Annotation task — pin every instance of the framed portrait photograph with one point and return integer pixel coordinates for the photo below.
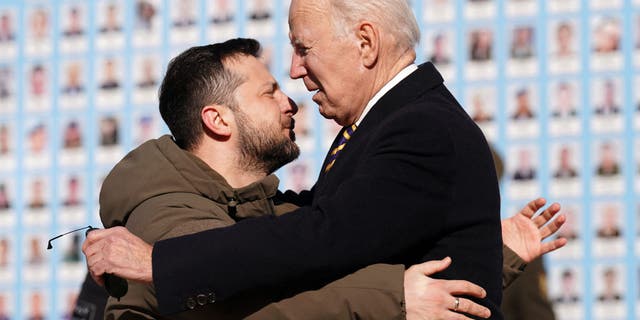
(74, 30)
(110, 24)
(480, 54)
(39, 26)
(438, 11)
(609, 287)
(184, 21)
(8, 33)
(565, 168)
(607, 157)
(563, 42)
(606, 42)
(606, 100)
(523, 111)
(147, 23)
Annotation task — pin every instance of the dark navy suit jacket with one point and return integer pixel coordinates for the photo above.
(415, 182)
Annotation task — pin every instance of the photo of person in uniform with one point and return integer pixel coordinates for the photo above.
(523, 109)
(223, 12)
(566, 168)
(73, 83)
(146, 128)
(38, 81)
(522, 44)
(481, 45)
(479, 112)
(610, 291)
(36, 306)
(5, 140)
(186, 14)
(439, 52)
(607, 35)
(112, 19)
(5, 201)
(5, 78)
(564, 39)
(73, 193)
(145, 12)
(568, 292)
(109, 131)
(36, 251)
(37, 139)
(37, 194)
(298, 176)
(608, 105)
(608, 162)
(563, 103)
(4, 312)
(72, 136)
(7, 32)
(570, 229)
(75, 22)
(260, 10)
(39, 24)
(148, 75)
(609, 227)
(5, 250)
(524, 168)
(110, 79)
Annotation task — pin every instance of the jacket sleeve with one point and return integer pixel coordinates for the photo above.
(373, 215)
(527, 298)
(350, 297)
(512, 266)
(304, 198)
(160, 218)
(374, 292)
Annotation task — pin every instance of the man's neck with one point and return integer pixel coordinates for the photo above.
(384, 74)
(225, 163)
(390, 69)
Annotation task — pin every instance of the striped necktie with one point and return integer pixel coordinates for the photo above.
(346, 135)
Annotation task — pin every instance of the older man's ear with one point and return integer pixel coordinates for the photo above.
(369, 43)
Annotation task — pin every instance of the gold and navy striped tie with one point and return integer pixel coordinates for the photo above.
(346, 135)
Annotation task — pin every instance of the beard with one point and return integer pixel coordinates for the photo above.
(264, 149)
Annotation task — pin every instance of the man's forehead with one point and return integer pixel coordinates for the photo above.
(251, 68)
(304, 10)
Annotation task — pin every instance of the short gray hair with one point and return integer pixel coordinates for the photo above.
(393, 16)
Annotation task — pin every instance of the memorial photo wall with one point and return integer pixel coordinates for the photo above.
(554, 85)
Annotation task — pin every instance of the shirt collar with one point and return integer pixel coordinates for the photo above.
(392, 83)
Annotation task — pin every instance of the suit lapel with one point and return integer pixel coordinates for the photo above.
(410, 88)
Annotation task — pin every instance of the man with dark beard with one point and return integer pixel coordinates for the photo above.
(231, 129)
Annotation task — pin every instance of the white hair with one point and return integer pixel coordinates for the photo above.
(395, 17)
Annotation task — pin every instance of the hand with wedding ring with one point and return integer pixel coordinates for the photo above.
(428, 298)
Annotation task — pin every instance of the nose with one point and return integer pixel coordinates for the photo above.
(297, 69)
(287, 105)
(293, 106)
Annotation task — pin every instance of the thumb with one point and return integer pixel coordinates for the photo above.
(434, 266)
